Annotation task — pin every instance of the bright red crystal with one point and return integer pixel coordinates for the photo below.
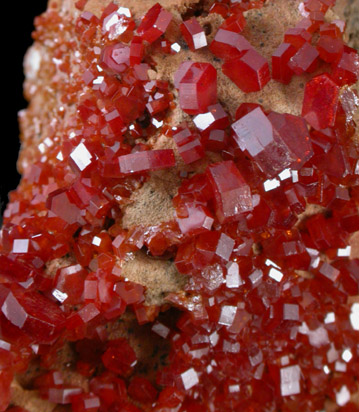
(194, 34)
(189, 145)
(235, 23)
(249, 72)
(330, 49)
(85, 403)
(31, 312)
(231, 193)
(305, 60)
(140, 162)
(297, 37)
(280, 59)
(320, 102)
(154, 23)
(116, 57)
(215, 118)
(197, 88)
(229, 44)
(275, 142)
(346, 70)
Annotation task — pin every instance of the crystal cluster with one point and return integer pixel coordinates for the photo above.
(269, 316)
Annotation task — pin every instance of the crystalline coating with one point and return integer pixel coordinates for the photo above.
(154, 23)
(231, 192)
(198, 88)
(320, 102)
(193, 33)
(249, 72)
(266, 283)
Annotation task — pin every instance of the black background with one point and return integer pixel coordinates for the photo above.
(17, 26)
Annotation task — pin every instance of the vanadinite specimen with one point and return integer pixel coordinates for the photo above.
(184, 237)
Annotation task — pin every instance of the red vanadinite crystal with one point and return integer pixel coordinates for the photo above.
(320, 104)
(280, 59)
(305, 60)
(119, 358)
(255, 207)
(197, 88)
(275, 142)
(194, 34)
(330, 49)
(297, 37)
(231, 192)
(154, 23)
(249, 72)
(229, 44)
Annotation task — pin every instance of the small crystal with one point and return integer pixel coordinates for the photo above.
(20, 246)
(290, 380)
(233, 279)
(161, 330)
(347, 355)
(320, 103)
(231, 192)
(227, 316)
(189, 378)
(249, 72)
(275, 274)
(290, 311)
(342, 397)
(194, 34)
(329, 318)
(354, 316)
(154, 23)
(197, 87)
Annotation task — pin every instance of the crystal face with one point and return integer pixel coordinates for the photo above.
(171, 247)
(193, 34)
(198, 88)
(320, 104)
(154, 23)
(231, 192)
(250, 72)
(275, 142)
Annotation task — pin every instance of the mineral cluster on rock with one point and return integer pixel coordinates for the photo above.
(259, 228)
